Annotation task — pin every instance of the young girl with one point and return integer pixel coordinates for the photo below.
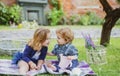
(35, 51)
(64, 47)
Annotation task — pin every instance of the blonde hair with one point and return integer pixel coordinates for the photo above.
(40, 35)
(66, 34)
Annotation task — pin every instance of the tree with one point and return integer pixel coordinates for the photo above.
(112, 15)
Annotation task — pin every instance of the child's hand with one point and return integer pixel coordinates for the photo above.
(39, 67)
(39, 64)
(47, 63)
(71, 57)
(32, 65)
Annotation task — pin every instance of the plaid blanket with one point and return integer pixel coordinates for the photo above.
(11, 69)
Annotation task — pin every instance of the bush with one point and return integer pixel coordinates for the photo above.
(9, 14)
(55, 16)
(84, 19)
(3, 14)
(54, 3)
(89, 18)
(14, 12)
(74, 19)
(94, 19)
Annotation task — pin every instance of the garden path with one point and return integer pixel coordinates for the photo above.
(28, 33)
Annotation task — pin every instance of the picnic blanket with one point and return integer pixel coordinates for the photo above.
(11, 69)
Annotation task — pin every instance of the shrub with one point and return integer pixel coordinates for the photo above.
(94, 19)
(9, 14)
(90, 18)
(84, 19)
(3, 14)
(55, 16)
(74, 19)
(14, 12)
(54, 3)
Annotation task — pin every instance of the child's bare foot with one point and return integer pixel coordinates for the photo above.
(49, 65)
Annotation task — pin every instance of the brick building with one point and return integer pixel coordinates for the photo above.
(9, 2)
(82, 6)
(71, 7)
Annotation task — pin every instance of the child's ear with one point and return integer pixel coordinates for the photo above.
(66, 40)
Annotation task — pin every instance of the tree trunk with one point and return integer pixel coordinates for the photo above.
(112, 15)
(105, 35)
(110, 21)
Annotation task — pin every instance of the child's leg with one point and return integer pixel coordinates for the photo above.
(54, 67)
(74, 64)
(23, 67)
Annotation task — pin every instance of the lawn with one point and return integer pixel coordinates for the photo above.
(2, 27)
(111, 68)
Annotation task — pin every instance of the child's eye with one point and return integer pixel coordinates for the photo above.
(58, 37)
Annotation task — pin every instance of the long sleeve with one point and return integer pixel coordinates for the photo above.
(27, 54)
(43, 53)
(71, 51)
(54, 50)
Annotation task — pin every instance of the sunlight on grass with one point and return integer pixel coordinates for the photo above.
(112, 68)
(3, 27)
(7, 28)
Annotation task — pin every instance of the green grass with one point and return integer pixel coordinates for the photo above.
(112, 68)
(3, 27)
(6, 27)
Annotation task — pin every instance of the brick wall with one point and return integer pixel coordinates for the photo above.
(8, 2)
(82, 6)
(71, 7)
(68, 7)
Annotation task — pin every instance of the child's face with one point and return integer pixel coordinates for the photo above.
(60, 40)
(47, 41)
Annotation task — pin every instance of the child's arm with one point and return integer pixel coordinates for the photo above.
(39, 65)
(72, 57)
(32, 65)
(50, 54)
(53, 52)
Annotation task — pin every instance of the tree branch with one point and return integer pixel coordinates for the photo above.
(106, 6)
(117, 12)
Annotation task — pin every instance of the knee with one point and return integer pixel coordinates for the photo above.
(23, 65)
